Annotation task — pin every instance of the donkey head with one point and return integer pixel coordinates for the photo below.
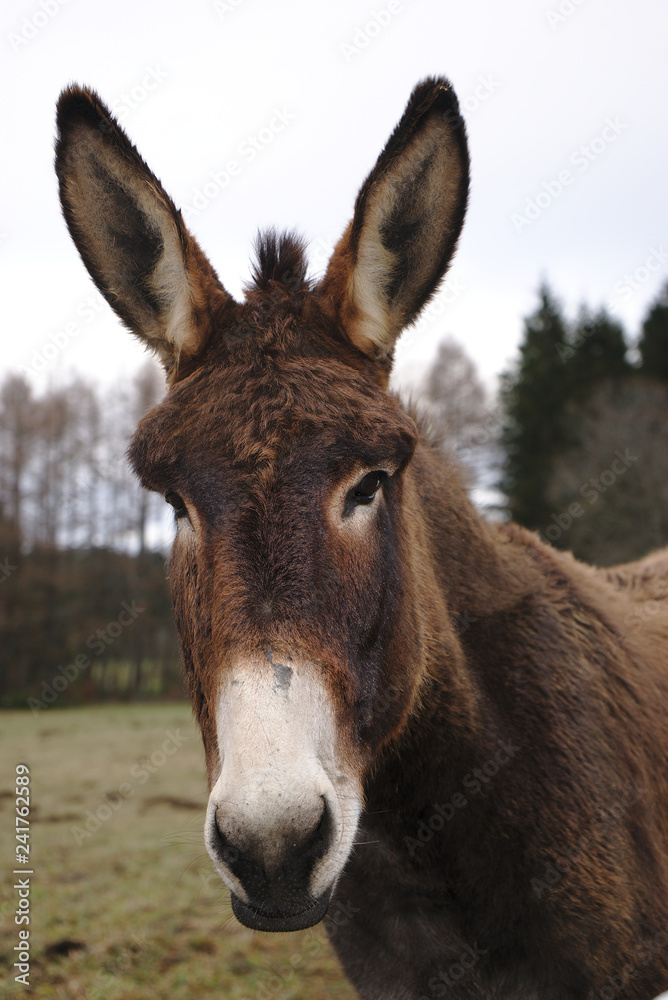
(297, 574)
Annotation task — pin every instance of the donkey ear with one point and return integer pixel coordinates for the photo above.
(130, 235)
(408, 217)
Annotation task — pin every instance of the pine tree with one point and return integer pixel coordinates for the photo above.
(598, 353)
(533, 400)
(653, 345)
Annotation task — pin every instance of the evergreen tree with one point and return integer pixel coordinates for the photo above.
(533, 399)
(609, 493)
(598, 353)
(653, 345)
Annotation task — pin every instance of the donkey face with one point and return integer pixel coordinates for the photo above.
(296, 566)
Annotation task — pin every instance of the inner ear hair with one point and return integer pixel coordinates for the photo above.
(129, 233)
(407, 219)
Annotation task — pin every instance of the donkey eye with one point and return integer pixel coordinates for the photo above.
(177, 503)
(366, 490)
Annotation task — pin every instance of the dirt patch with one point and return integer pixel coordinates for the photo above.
(169, 800)
(64, 947)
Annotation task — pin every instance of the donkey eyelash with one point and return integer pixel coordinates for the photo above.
(365, 491)
(177, 502)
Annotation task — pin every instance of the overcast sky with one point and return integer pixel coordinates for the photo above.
(565, 102)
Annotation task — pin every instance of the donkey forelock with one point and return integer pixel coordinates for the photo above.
(280, 259)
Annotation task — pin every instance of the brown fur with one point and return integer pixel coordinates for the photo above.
(455, 652)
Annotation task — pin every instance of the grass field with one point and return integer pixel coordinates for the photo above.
(124, 902)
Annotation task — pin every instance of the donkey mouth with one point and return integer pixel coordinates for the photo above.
(272, 918)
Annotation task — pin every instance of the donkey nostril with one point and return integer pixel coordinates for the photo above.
(225, 850)
(274, 864)
(317, 844)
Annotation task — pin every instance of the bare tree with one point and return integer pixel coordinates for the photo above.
(463, 420)
(17, 432)
(455, 397)
(64, 476)
(148, 388)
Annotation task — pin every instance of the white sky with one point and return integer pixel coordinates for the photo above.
(534, 93)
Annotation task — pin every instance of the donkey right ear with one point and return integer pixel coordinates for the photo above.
(407, 220)
(130, 235)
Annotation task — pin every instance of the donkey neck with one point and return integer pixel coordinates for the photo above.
(477, 569)
(468, 573)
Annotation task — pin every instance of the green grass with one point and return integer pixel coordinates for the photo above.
(136, 897)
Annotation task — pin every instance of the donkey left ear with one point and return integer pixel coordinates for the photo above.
(407, 220)
(131, 236)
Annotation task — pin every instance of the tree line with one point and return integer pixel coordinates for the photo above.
(85, 611)
(585, 432)
(64, 479)
(575, 447)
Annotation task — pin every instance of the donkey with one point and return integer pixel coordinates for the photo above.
(442, 731)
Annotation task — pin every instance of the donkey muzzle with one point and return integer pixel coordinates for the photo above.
(265, 919)
(275, 869)
(283, 811)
